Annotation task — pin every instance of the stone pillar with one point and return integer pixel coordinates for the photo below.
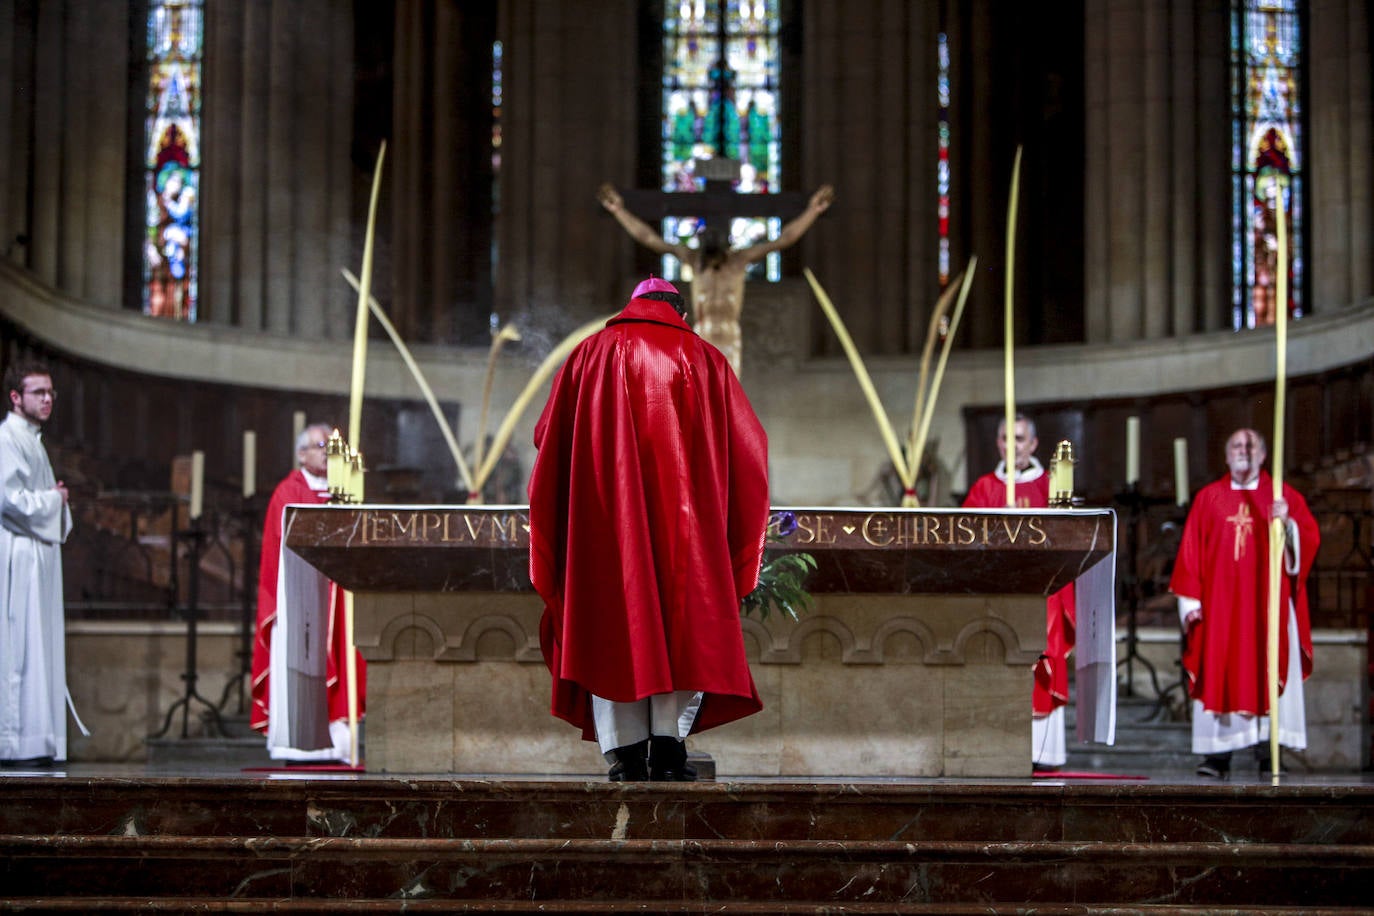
(869, 110)
(1156, 256)
(275, 192)
(440, 164)
(62, 155)
(570, 123)
(1209, 170)
(1339, 155)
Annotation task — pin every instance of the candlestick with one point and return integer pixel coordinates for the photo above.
(197, 483)
(250, 463)
(1061, 476)
(335, 471)
(1132, 451)
(1181, 471)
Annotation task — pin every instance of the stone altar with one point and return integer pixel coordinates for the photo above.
(914, 661)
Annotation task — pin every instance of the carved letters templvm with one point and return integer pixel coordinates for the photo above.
(395, 526)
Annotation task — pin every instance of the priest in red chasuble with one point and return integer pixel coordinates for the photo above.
(648, 508)
(1221, 578)
(1050, 691)
(305, 485)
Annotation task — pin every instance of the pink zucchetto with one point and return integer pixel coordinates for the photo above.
(653, 285)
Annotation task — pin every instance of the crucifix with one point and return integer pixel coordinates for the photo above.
(717, 270)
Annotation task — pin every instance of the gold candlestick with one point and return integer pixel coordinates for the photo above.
(356, 472)
(1061, 476)
(336, 456)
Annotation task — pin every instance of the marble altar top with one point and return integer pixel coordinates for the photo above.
(378, 548)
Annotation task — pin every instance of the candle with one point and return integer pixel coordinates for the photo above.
(197, 482)
(1181, 471)
(1132, 451)
(297, 427)
(250, 463)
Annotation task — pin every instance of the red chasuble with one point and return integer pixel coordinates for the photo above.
(648, 508)
(295, 490)
(1223, 561)
(1051, 689)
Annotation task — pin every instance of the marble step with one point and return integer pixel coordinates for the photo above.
(327, 907)
(946, 871)
(202, 845)
(462, 809)
(1145, 743)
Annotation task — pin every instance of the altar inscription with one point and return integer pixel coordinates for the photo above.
(902, 551)
(389, 527)
(900, 530)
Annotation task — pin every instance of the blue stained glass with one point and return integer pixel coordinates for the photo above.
(1266, 157)
(172, 159)
(498, 53)
(720, 100)
(942, 173)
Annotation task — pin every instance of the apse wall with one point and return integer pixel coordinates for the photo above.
(824, 442)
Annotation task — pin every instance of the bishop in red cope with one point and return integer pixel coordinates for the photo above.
(648, 509)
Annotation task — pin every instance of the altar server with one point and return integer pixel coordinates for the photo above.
(1050, 691)
(35, 520)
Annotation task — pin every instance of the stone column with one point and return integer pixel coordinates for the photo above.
(570, 123)
(1156, 257)
(64, 160)
(1339, 156)
(440, 165)
(869, 112)
(277, 129)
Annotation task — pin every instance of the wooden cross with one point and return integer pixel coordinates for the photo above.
(715, 206)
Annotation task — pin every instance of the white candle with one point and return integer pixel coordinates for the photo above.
(1181, 471)
(250, 463)
(297, 427)
(197, 482)
(1132, 450)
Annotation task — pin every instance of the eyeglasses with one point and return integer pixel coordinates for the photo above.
(43, 393)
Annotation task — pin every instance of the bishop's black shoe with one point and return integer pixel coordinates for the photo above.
(668, 760)
(631, 763)
(1217, 766)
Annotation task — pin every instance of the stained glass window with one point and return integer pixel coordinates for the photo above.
(172, 159)
(720, 102)
(942, 171)
(497, 92)
(1266, 157)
